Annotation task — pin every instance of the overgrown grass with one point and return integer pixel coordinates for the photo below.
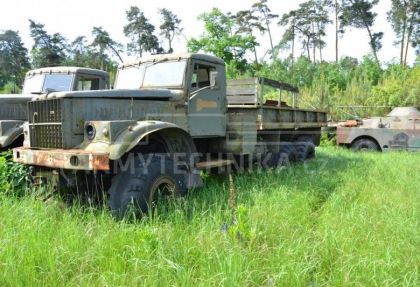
(342, 219)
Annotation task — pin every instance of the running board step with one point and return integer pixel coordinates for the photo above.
(213, 163)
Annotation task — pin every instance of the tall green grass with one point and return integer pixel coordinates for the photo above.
(342, 219)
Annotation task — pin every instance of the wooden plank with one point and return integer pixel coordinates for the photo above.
(241, 91)
(241, 99)
(240, 82)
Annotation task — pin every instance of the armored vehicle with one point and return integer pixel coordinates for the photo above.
(400, 130)
(169, 117)
(45, 80)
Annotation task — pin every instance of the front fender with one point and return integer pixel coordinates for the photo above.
(131, 136)
(10, 131)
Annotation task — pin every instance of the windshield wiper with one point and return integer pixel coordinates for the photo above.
(46, 91)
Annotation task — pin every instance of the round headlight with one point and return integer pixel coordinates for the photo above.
(90, 131)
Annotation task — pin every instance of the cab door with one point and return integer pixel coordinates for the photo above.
(206, 104)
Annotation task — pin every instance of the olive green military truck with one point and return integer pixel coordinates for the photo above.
(400, 130)
(169, 117)
(46, 80)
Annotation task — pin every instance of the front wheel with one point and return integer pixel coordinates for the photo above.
(140, 189)
(364, 145)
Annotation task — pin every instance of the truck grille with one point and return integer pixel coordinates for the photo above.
(45, 123)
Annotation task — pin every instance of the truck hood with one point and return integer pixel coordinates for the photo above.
(15, 98)
(147, 94)
(13, 107)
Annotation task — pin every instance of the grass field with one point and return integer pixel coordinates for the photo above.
(343, 219)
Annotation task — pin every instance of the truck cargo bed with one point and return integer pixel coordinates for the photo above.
(264, 100)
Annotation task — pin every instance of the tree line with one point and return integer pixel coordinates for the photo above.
(233, 37)
(102, 52)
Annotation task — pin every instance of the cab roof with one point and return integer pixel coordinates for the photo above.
(175, 56)
(67, 70)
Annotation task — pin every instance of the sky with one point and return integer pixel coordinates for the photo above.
(74, 18)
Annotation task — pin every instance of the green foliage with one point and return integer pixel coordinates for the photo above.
(400, 87)
(348, 83)
(140, 31)
(104, 44)
(14, 177)
(307, 24)
(404, 17)
(170, 26)
(359, 14)
(265, 16)
(14, 61)
(220, 40)
(342, 219)
(10, 88)
(48, 50)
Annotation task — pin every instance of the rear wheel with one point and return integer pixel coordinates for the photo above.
(305, 150)
(139, 190)
(286, 155)
(364, 145)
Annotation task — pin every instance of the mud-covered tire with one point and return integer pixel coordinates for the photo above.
(364, 145)
(135, 191)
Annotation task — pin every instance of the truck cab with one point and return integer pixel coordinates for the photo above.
(199, 81)
(13, 108)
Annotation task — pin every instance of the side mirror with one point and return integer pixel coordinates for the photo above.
(213, 79)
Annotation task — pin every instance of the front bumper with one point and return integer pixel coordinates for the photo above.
(62, 159)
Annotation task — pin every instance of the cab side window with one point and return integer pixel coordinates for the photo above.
(201, 76)
(86, 83)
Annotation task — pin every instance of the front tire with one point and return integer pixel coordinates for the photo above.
(137, 191)
(364, 145)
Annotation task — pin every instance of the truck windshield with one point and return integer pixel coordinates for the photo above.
(164, 74)
(50, 82)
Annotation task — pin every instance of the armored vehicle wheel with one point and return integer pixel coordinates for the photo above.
(364, 145)
(140, 189)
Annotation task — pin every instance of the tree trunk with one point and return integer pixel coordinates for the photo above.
(269, 35)
(255, 55)
(408, 39)
(336, 30)
(403, 43)
(293, 45)
(407, 44)
(116, 53)
(319, 43)
(307, 49)
(313, 42)
(372, 45)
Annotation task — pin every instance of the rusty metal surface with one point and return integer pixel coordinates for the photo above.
(62, 159)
